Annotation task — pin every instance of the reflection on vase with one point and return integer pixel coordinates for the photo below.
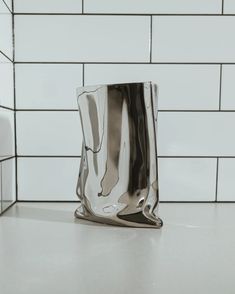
(118, 181)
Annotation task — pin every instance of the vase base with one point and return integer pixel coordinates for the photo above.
(137, 220)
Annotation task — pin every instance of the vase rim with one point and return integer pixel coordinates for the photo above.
(93, 88)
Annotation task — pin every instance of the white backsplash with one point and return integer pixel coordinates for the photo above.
(186, 46)
(7, 105)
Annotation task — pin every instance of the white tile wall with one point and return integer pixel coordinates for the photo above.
(229, 6)
(187, 179)
(190, 55)
(6, 78)
(82, 38)
(8, 183)
(47, 86)
(226, 188)
(193, 39)
(196, 134)
(153, 6)
(0, 188)
(7, 120)
(48, 178)
(7, 133)
(48, 6)
(5, 30)
(48, 133)
(191, 86)
(228, 89)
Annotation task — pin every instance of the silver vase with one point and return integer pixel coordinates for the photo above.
(118, 181)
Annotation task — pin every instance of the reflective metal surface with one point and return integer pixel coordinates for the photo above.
(118, 181)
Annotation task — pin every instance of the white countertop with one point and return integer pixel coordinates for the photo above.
(44, 250)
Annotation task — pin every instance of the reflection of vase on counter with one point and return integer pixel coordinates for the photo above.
(118, 173)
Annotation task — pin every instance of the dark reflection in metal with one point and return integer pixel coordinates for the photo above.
(118, 173)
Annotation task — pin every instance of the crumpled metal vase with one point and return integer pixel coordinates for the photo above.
(118, 181)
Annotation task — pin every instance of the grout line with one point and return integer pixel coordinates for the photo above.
(220, 86)
(165, 202)
(192, 156)
(124, 14)
(163, 110)
(160, 110)
(7, 158)
(216, 181)
(82, 6)
(224, 202)
(48, 201)
(123, 62)
(187, 202)
(151, 39)
(83, 74)
(159, 156)
(48, 156)
(199, 202)
(194, 110)
(12, 204)
(45, 110)
(78, 62)
(222, 7)
(6, 55)
(7, 6)
(7, 108)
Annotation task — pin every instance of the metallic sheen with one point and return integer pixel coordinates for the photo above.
(118, 182)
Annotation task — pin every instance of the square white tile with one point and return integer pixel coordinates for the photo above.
(8, 183)
(196, 134)
(193, 39)
(0, 187)
(6, 45)
(226, 187)
(153, 6)
(48, 6)
(179, 86)
(229, 6)
(6, 82)
(228, 90)
(82, 38)
(48, 133)
(187, 179)
(7, 132)
(47, 86)
(47, 179)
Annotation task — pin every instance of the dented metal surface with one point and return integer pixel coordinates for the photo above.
(118, 181)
